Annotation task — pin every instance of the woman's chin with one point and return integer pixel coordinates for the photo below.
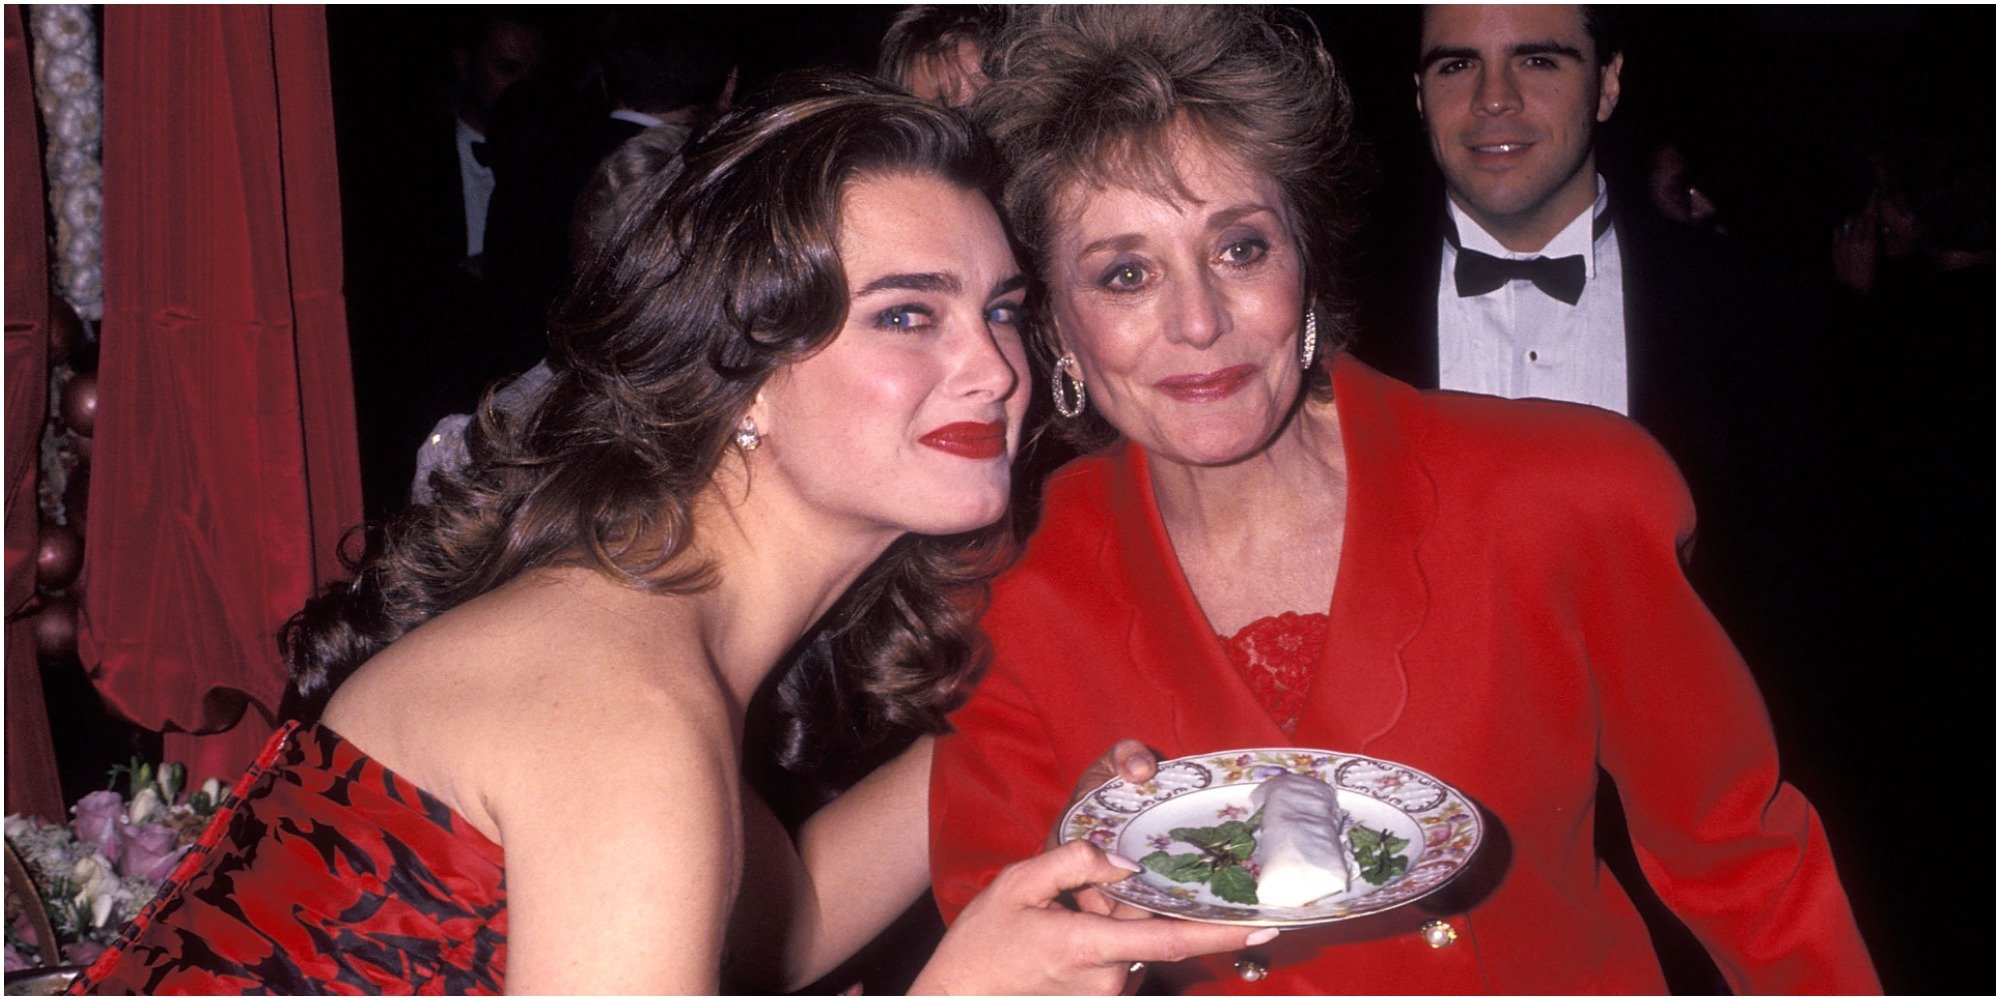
(1212, 446)
(961, 515)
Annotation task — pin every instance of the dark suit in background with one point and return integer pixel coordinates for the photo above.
(544, 150)
(420, 320)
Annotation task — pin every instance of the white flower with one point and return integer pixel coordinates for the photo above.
(91, 873)
(144, 806)
(102, 906)
(213, 789)
(98, 887)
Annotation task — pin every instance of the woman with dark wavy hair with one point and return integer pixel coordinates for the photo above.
(1272, 545)
(787, 394)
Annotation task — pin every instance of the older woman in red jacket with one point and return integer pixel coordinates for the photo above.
(1273, 545)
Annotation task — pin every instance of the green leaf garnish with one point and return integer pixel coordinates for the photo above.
(1235, 884)
(1180, 867)
(1379, 853)
(1222, 851)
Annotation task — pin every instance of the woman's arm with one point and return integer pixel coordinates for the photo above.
(1736, 851)
(865, 858)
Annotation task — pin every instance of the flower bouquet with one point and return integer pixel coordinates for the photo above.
(95, 873)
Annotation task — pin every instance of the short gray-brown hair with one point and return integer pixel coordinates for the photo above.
(1090, 95)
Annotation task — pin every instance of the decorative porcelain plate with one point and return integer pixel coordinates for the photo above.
(1439, 827)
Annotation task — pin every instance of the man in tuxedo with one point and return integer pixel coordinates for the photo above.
(1534, 279)
(415, 191)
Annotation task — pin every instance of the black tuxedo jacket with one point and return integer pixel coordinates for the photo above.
(544, 157)
(1708, 336)
(420, 321)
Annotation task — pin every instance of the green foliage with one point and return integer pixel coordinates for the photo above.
(1379, 853)
(1222, 852)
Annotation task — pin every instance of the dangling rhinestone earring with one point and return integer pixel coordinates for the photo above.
(747, 437)
(1066, 372)
(1311, 339)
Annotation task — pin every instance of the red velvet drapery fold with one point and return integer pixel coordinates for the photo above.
(31, 757)
(225, 467)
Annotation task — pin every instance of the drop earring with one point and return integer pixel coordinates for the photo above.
(1311, 339)
(747, 437)
(1065, 371)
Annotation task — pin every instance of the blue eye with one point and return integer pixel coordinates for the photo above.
(904, 317)
(1004, 314)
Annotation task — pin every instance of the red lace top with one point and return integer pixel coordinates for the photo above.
(1276, 655)
(323, 872)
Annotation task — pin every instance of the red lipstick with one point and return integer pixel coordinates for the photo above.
(967, 439)
(1206, 387)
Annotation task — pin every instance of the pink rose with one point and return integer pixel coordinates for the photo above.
(149, 852)
(15, 961)
(98, 817)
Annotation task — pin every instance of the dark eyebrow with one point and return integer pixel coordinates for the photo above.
(1437, 54)
(1548, 48)
(936, 282)
(1013, 284)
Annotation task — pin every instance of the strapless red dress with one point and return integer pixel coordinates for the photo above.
(323, 872)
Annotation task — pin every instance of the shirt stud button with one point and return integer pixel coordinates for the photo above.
(1251, 969)
(1439, 934)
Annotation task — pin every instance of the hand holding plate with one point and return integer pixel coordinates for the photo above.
(1012, 939)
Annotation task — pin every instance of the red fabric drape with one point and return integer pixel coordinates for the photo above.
(225, 467)
(31, 757)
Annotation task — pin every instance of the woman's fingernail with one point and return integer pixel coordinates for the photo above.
(1264, 936)
(1123, 862)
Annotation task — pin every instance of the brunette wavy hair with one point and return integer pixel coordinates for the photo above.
(719, 276)
(1088, 96)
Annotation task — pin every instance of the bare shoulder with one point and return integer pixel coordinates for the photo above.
(531, 690)
(581, 725)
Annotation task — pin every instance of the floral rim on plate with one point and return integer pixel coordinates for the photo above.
(1441, 825)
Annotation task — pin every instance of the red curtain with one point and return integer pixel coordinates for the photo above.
(31, 757)
(225, 468)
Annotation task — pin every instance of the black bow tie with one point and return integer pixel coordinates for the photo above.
(1561, 278)
(1558, 277)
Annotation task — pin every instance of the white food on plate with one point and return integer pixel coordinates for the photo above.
(1299, 854)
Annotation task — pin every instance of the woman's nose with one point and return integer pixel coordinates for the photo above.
(1200, 313)
(987, 368)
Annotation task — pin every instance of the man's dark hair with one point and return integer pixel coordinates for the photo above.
(1607, 30)
(656, 63)
(1605, 25)
(926, 32)
(468, 32)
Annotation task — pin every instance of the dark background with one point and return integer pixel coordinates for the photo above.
(1888, 724)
